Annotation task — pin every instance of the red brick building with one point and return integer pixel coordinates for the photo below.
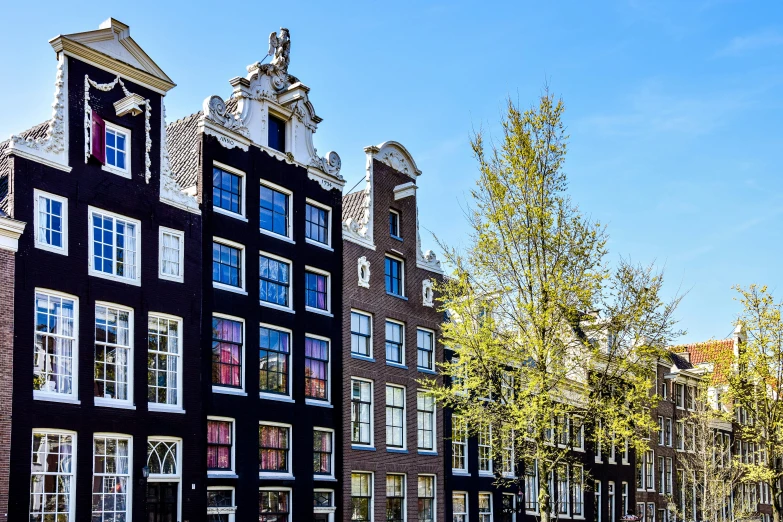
(393, 433)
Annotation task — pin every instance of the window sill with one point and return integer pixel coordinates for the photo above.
(362, 357)
(460, 473)
(428, 452)
(273, 397)
(324, 478)
(276, 236)
(318, 311)
(275, 476)
(229, 391)
(113, 403)
(112, 277)
(316, 402)
(396, 365)
(43, 396)
(396, 450)
(319, 245)
(579, 450)
(63, 251)
(397, 296)
(398, 238)
(221, 474)
(163, 408)
(599, 460)
(486, 474)
(274, 306)
(228, 213)
(119, 172)
(175, 279)
(228, 288)
(362, 448)
(427, 370)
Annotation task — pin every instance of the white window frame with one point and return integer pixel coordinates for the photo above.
(599, 457)
(491, 510)
(624, 496)
(491, 470)
(462, 442)
(179, 278)
(290, 498)
(372, 412)
(597, 507)
(328, 209)
(290, 307)
(331, 476)
(371, 351)
(289, 235)
(328, 276)
(73, 397)
(404, 492)
(399, 225)
(434, 449)
(160, 477)
(577, 470)
(129, 492)
(242, 289)
(329, 511)
(126, 172)
(466, 513)
(39, 243)
(432, 334)
(403, 348)
(371, 507)
(328, 401)
(288, 397)
(242, 215)
(558, 483)
(72, 495)
(216, 388)
(661, 432)
(230, 511)
(119, 403)
(404, 447)
(402, 275)
(156, 406)
(513, 505)
(532, 495)
(611, 498)
(289, 457)
(217, 473)
(434, 492)
(649, 470)
(90, 244)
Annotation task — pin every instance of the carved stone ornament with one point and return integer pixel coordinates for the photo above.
(427, 293)
(364, 272)
(170, 191)
(215, 109)
(397, 161)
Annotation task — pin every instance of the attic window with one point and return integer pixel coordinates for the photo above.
(110, 145)
(276, 133)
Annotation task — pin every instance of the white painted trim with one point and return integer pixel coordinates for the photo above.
(404, 344)
(318, 271)
(372, 329)
(371, 444)
(37, 195)
(13, 151)
(181, 235)
(290, 498)
(180, 365)
(331, 456)
(241, 389)
(289, 475)
(405, 190)
(289, 235)
(404, 389)
(230, 511)
(90, 258)
(435, 428)
(232, 470)
(279, 396)
(242, 214)
(290, 307)
(74, 463)
(243, 287)
(127, 172)
(120, 403)
(73, 397)
(402, 274)
(129, 493)
(328, 209)
(10, 231)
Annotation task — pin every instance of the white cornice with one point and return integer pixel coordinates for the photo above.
(39, 157)
(405, 190)
(10, 231)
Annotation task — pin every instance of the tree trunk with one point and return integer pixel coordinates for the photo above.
(544, 499)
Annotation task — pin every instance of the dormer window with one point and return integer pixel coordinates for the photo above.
(276, 133)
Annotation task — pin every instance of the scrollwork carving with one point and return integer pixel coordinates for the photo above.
(215, 109)
(427, 294)
(363, 268)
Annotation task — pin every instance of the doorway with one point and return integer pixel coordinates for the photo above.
(162, 501)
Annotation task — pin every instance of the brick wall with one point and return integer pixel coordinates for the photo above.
(7, 267)
(413, 314)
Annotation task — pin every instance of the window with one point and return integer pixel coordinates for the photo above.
(164, 361)
(395, 342)
(361, 496)
(220, 444)
(661, 476)
(395, 498)
(316, 290)
(56, 345)
(650, 512)
(51, 222)
(649, 475)
(640, 511)
(394, 224)
(276, 133)
(228, 260)
(597, 507)
(323, 505)
(624, 497)
(361, 412)
(679, 395)
(274, 365)
(274, 210)
(111, 478)
(220, 504)
(485, 450)
(322, 452)
(690, 395)
(113, 354)
(459, 502)
(508, 508)
(577, 491)
(668, 432)
(531, 487)
(317, 223)
(53, 476)
(577, 427)
(361, 334)
(426, 349)
(163, 458)
(610, 494)
(274, 281)
(228, 190)
(669, 471)
(316, 368)
(394, 276)
(425, 413)
(426, 496)
(679, 436)
(485, 507)
(459, 444)
(660, 431)
(117, 149)
(274, 453)
(563, 493)
(395, 416)
(274, 505)
(172, 255)
(115, 246)
(227, 353)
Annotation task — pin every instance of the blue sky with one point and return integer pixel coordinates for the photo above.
(674, 108)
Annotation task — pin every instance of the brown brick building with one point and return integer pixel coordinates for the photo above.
(393, 433)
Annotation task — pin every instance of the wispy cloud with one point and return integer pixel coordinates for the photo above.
(753, 42)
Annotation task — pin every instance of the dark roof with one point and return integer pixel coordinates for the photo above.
(680, 362)
(36, 132)
(353, 205)
(182, 139)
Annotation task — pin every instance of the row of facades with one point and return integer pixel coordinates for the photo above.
(216, 333)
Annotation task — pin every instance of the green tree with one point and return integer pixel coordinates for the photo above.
(563, 345)
(757, 384)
